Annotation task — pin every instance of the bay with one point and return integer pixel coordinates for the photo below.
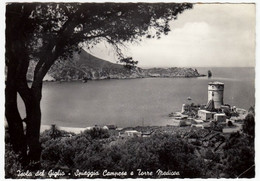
(136, 102)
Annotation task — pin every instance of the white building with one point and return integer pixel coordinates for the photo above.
(205, 115)
(130, 133)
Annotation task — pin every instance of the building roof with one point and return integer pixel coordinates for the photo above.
(216, 83)
(131, 131)
(220, 114)
(205, 111)
(198, 121)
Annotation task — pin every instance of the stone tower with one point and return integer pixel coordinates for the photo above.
(215, 93)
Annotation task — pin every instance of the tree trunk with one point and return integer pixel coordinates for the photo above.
(33, 125)
(24, 141)
(32, 97)
(17, 83)
(17, 62)
(15, 123)
(14, 120)
(33, 130)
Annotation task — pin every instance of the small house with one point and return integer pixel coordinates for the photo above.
(205, 115)
(220, 117)
(197, 126)
(130, 133)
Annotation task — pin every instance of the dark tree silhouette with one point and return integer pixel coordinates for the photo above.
(249, 125)
(46, 32)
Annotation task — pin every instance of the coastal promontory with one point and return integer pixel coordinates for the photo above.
(84, 66)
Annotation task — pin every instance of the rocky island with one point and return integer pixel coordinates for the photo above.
(84, 66)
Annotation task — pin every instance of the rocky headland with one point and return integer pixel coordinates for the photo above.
(84, 66)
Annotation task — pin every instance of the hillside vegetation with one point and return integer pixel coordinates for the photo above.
(196, 153)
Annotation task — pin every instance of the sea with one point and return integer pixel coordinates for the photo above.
(138, 102)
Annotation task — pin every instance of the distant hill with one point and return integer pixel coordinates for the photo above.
(84, 66)
(94, 62)
(171, 72)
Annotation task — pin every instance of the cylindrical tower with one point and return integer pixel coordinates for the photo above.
(215, 93)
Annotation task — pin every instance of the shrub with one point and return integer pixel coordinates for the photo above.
(12, 162)
(61, 152)
(239, 155)
(92, 151)
(97, 133)
(54, 133)
(249, 125)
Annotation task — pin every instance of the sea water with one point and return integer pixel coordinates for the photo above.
(137, 102)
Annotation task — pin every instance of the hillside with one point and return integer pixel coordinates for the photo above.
(84, 66)
(94, 62)
(87, 66)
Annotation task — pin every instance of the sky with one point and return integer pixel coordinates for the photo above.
(209, 35)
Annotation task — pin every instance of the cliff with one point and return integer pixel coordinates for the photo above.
(85, 66)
